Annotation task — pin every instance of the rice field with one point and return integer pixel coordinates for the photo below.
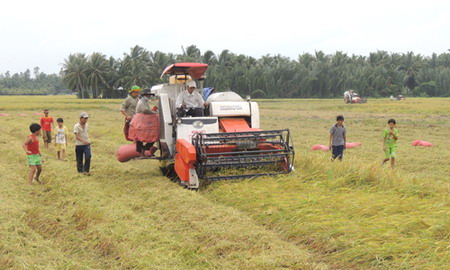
(353, 214)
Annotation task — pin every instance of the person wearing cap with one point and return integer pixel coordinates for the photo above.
(145, 108)
(82, 144)
(128, 109)
(190, 102)
(143, 105)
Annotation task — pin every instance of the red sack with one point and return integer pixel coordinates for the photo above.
(144, 128)
(421, 143)
(352, 145)
(126, 152)
(320, 147)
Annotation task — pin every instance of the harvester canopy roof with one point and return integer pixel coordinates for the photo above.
(196, 70)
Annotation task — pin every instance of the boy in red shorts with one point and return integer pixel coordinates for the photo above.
(47, 126)
(31, 147)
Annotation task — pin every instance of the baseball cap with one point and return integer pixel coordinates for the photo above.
(84, 115)
(192, 84)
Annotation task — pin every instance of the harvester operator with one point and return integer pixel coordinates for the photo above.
(190, 102)
(128, 109)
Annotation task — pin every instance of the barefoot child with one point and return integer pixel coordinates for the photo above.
(338, 138)
(31, 147)
(47, 125)
(61, 132)
(390, 137)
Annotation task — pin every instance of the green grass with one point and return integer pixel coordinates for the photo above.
(349, 215)
(357, 213)
(124, 216)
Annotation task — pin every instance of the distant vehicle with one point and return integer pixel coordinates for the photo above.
(351, 96)
(398, 98)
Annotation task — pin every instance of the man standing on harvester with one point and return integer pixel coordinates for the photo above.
(145, 125)
(128, 109)
(190, 102)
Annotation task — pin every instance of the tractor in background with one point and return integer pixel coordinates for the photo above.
(351, 97)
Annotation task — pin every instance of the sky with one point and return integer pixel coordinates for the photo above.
(43, 33)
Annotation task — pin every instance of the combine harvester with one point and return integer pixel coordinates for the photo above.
(351, 97)
(226, 143)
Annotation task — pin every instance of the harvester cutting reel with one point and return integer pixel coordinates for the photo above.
(238, 155)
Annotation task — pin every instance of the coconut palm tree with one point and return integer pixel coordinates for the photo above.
(190, 54)
(410, 66)
(75, 73)
(209, 58)
(98, 68)
(136, 68)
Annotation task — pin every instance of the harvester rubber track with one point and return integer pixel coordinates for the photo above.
(269, 151)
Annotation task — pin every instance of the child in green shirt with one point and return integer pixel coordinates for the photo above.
(390, 137)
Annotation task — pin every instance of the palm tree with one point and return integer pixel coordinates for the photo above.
(112, 79)
(98, 68)
(136, 68)
(410, 66)
(75, 73)
(190, 54)
(209, 58)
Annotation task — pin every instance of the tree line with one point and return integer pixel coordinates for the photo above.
(27, 83)
(318, 75)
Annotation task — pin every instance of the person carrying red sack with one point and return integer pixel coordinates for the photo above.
(145, 125)
(128, 109)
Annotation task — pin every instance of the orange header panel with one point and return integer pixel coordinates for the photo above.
(235, 125)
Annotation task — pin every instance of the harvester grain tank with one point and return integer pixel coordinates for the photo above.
(225, 143)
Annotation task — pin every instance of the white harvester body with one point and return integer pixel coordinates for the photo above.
(227, 137)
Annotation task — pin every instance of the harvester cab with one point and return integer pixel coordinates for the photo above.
(225, 143)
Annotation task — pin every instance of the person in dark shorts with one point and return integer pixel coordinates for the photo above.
(47, 125)
(338, 138)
